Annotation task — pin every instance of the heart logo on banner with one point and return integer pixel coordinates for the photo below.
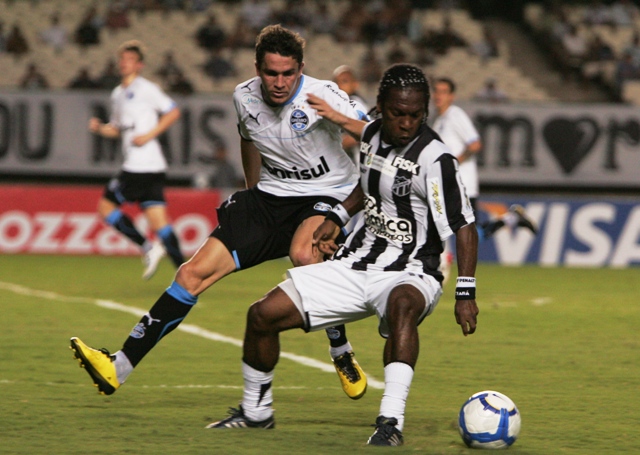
(570, 141)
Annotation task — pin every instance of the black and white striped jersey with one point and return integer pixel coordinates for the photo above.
(415, 199)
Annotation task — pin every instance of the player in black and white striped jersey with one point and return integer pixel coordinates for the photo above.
(413, 199)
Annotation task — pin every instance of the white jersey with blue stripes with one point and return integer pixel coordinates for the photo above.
(135, 110)
(301, 152)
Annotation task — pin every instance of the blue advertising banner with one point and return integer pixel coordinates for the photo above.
(575, 232)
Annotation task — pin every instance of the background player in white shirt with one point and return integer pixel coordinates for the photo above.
(140, 112)
(458, 132)
(388, 266)
(345, 77)
(295, 170)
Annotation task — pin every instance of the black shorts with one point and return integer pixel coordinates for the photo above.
(256, 226)
(146, 189)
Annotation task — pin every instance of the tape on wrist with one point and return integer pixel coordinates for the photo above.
(465, 288)
(338, 215)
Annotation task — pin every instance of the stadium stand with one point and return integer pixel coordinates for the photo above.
(175, 31)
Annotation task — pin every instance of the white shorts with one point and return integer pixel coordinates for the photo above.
(331, 293)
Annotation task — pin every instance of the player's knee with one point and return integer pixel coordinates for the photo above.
(189, 276)
(405, 305)
(258, 318)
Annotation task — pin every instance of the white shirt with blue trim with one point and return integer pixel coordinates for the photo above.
(135, 110)
(301, 152)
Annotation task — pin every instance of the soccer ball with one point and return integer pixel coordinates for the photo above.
(489, 420)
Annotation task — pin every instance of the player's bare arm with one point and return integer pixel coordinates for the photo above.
(324, 237)
(96, 126)
(352, 126)
(471, 150)
(164, 122)
(466, 311)
(251, 162)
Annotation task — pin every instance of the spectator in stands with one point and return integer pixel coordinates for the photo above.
(396, 54)
(33, 79)
(624, 13)
(56, 35)
(626, 69)
(218, 66)
(222, 173)
(444, 39)
(110, 77)
(3, 38)
(179, 84)
(374, 29)
(83, 80)
(256, 13)
(491, 93)
(345, 77)
(16, 42)
(633, 49)
(351, 22)
(168, 68)
(117, 16)
(323, 21)
(575, 50)
(487, 47)
(210, 35)
(295, 15)
(88, 31)
(242, 36)
(370, 67)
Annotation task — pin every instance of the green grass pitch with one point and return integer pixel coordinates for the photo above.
(562, 343)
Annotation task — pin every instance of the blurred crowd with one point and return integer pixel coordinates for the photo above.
(370, 22)
(593, 42)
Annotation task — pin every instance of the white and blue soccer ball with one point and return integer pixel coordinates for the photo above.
(489, 420)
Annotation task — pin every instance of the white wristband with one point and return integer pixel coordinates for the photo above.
(342, 213)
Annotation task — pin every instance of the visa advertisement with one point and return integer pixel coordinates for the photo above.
(572, 231)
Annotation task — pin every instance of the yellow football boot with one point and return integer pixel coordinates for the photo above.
(352, 378)
(99, 364)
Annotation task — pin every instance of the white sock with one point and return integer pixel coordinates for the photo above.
(337, 352)
(123, 366)
(257, 399)
(397, 381)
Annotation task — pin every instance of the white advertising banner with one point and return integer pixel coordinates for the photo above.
(45, 133)
(572, 146)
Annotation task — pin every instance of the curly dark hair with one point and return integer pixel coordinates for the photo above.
(276, 39)
(403, 76)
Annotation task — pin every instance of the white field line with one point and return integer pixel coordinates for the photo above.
(188, 328)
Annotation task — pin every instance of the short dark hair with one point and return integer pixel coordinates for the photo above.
(276, 39)
(133, 46)
(403, 76)
(449, 82)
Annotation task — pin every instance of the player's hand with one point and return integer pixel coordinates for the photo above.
(466, 312)
(139, 141)
(324, 237)
(323, 109)
(95, 124)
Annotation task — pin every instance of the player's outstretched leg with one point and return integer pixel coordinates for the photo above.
(352, 378)
(151, 259)
(523, 220)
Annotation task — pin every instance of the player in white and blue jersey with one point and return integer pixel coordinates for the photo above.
(140, 112)
(295, 171)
